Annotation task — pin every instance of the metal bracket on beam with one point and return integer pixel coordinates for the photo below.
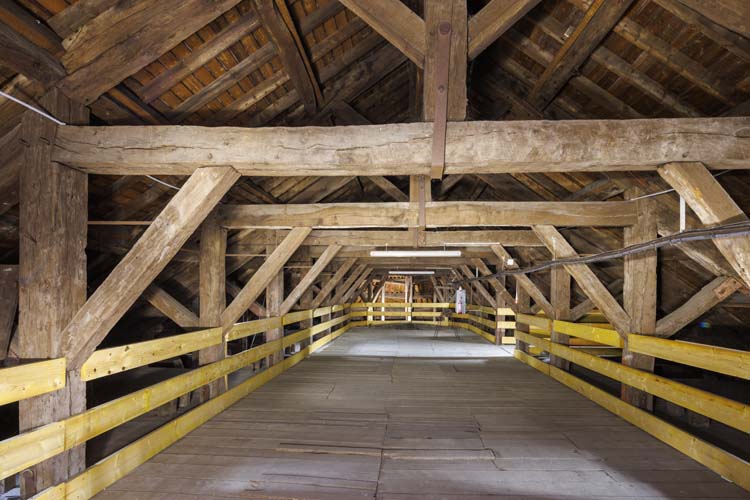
(442, 72)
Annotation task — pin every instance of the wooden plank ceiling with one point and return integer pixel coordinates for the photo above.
(314, 62)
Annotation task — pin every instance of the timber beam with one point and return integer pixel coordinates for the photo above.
(586, 279)
(406, 149)
(148, 257)
(713, 206)
(437, 214)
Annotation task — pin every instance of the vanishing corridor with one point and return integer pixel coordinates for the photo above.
(397, 414)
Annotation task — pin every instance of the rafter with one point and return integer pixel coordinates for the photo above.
(199, 57)
(23, 56)
(274, 14)
(104, 52)
(396, 23)
(493, 21)
(598, 21)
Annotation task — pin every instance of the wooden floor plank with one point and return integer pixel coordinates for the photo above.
(396, 414)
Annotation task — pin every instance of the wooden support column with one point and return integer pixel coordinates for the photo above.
(8, 306)
(213, 295)
(560, 299)
(639, 294)
(445, 67)
(523, 306)
(52, 275)
(454, 12)
(500, 302)
(274, 298)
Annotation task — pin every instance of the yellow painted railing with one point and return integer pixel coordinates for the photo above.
(727, 411)
(32, 379)
(404, 312)
(27, 449)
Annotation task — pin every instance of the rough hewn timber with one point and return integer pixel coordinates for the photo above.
(405, 149)
(438, 214)
(148, 257)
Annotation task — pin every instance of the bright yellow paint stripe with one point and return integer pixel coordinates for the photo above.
(544, 324)
(106, 362)
(32, 379)
(724, 410)
(716, 359)
(589, 332)
(124, 461)
(713, 457)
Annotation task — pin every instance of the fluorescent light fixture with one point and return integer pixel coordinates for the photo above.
(412, 273)
(471, 244)
(415, 253)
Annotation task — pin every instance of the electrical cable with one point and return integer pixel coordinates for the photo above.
(32, 108)
(732, 230)
(671, 190)
(60, 122)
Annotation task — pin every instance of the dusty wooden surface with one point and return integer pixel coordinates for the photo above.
(396, 414)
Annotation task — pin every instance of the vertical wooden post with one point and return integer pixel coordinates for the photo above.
(523, 306)
(8, 306)
(499, 303)
(274, 299)
(408, 291)
(639, 293)
(560, 298)
(455, 12)
(213, 297)
(306, 300)
(52, 274)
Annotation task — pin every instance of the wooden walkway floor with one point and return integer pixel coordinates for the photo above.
(394, 414)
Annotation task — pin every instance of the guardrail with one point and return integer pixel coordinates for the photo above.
(480, 320)
(32, 379)
(728, 361)
(30, 448)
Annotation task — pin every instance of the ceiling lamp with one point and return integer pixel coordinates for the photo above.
(412, 273)
(415, 253)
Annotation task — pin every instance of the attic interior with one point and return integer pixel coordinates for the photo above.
(390, 249)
